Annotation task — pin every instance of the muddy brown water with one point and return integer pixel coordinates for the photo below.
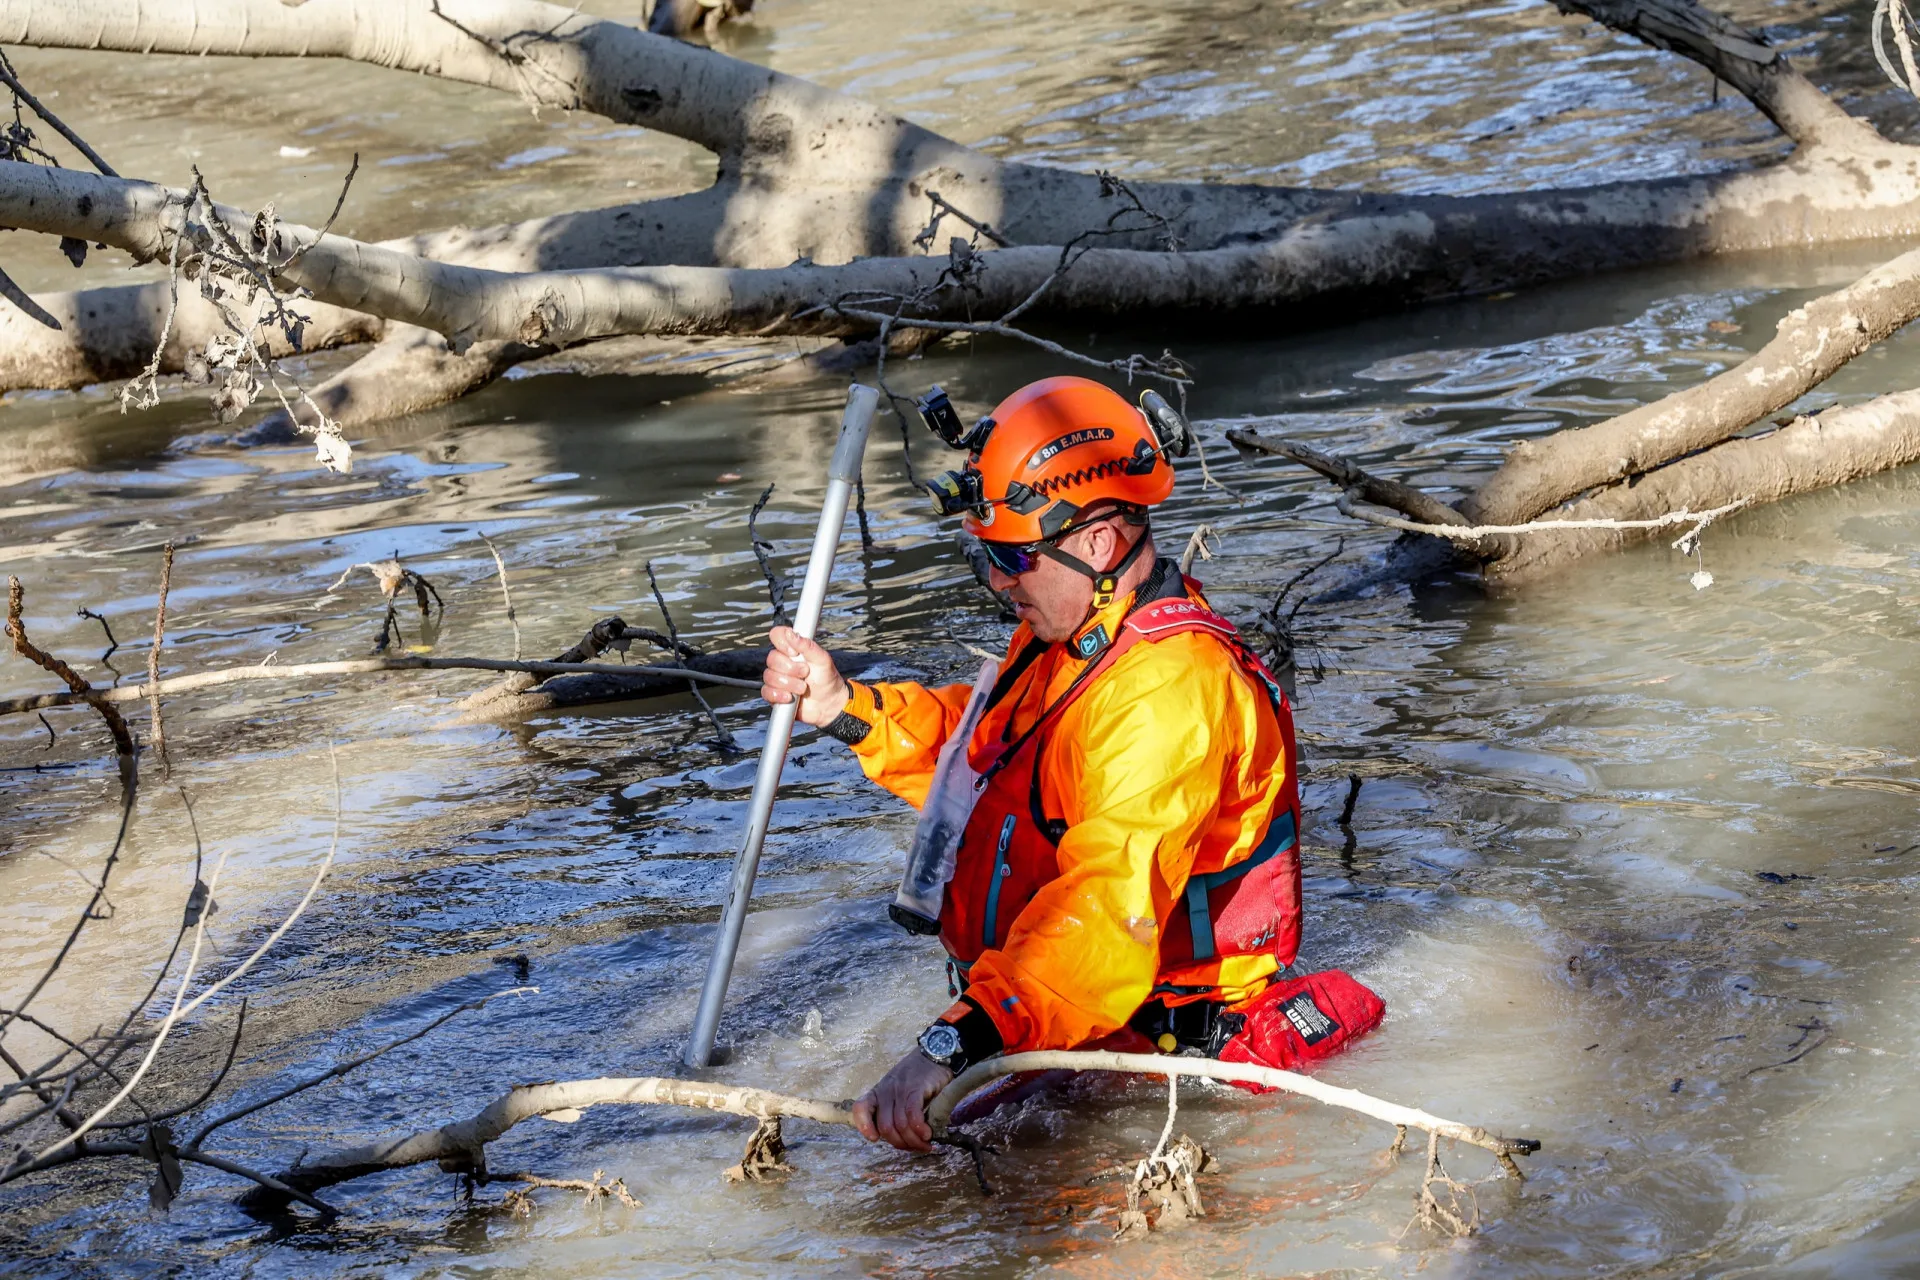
(1633, 864)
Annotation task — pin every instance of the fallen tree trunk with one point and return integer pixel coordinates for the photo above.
(1811, 453)
(1811, 344)
(1351, 262)
(867, 175)
(744, 665)
(871, 175)
(109, 334)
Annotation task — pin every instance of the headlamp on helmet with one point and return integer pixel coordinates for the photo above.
(954, 492)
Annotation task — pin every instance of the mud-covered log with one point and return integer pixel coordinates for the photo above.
(1811, 453)
(1812, 342)
(600, 687)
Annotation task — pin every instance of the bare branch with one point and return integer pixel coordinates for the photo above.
(11, 79)
(199, 1100)
(462, 1144)
(357, 666)
(722, 738)
(22, 299)
(512, 618)
(153, 659)
(981, 1073)
(776, 589)
(1349, 476)
(87, 913)
(82, 691)
(181, 1010)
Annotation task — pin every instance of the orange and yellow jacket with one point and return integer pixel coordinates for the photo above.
(1170, 773)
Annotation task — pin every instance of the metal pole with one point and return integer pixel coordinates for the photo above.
(841, 474)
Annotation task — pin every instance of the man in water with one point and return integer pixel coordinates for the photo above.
(1129, 875)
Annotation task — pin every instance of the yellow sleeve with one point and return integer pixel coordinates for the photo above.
(1140, 769)
(907, 725)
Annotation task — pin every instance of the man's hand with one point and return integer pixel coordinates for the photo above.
(797, 667)
(895, 1110)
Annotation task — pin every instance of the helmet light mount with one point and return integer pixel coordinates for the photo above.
(937, 411)
(953, 492)
(963, 491)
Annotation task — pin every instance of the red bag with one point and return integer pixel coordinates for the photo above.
(1301, 1021)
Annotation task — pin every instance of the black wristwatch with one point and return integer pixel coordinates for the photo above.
(940, 1045)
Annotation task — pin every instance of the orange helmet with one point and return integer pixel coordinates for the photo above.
(1050, 451)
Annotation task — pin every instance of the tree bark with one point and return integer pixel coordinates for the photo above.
(1370, 258)
(867, 174)
(1811, 453)
(107, 334)
(1812, 342)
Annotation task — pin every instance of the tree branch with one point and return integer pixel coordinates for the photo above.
(462, 1144)
(982, 1073)
(1348, 475)
(357, 666)
(1811, 453)
(1811, 343)
(1737, 55)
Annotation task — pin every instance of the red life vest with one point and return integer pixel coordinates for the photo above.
(1008, 852)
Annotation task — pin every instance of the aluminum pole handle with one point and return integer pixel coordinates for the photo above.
(842, 473)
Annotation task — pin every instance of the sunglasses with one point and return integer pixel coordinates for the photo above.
(1013, 558)
(1016, 558)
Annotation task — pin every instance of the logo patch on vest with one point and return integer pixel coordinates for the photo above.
(1086, 435)
(1093, 642)
(1313, 1025)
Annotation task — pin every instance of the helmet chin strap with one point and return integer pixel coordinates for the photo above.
(1106, 582)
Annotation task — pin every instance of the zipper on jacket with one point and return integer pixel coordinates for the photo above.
(1000, 872)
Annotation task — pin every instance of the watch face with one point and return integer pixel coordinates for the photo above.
(940, 1041)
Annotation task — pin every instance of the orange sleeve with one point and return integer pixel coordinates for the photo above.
(907, 725)
(1138, 772)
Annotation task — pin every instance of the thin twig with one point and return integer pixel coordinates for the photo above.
(233, 1048)
(82, 691)
(153, 660)
(776, 589)
(86, 913)
(1197, 546)
(181, 1010)
(505, 594)
(12, 80)
(338, 204)
(101, 618)
(724, 739)
(359, 666)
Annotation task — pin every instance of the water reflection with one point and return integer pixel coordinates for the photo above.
(1575, 865)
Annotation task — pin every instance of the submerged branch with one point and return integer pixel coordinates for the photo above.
(461, 1145)
(355, 666)
(1393, 1113)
